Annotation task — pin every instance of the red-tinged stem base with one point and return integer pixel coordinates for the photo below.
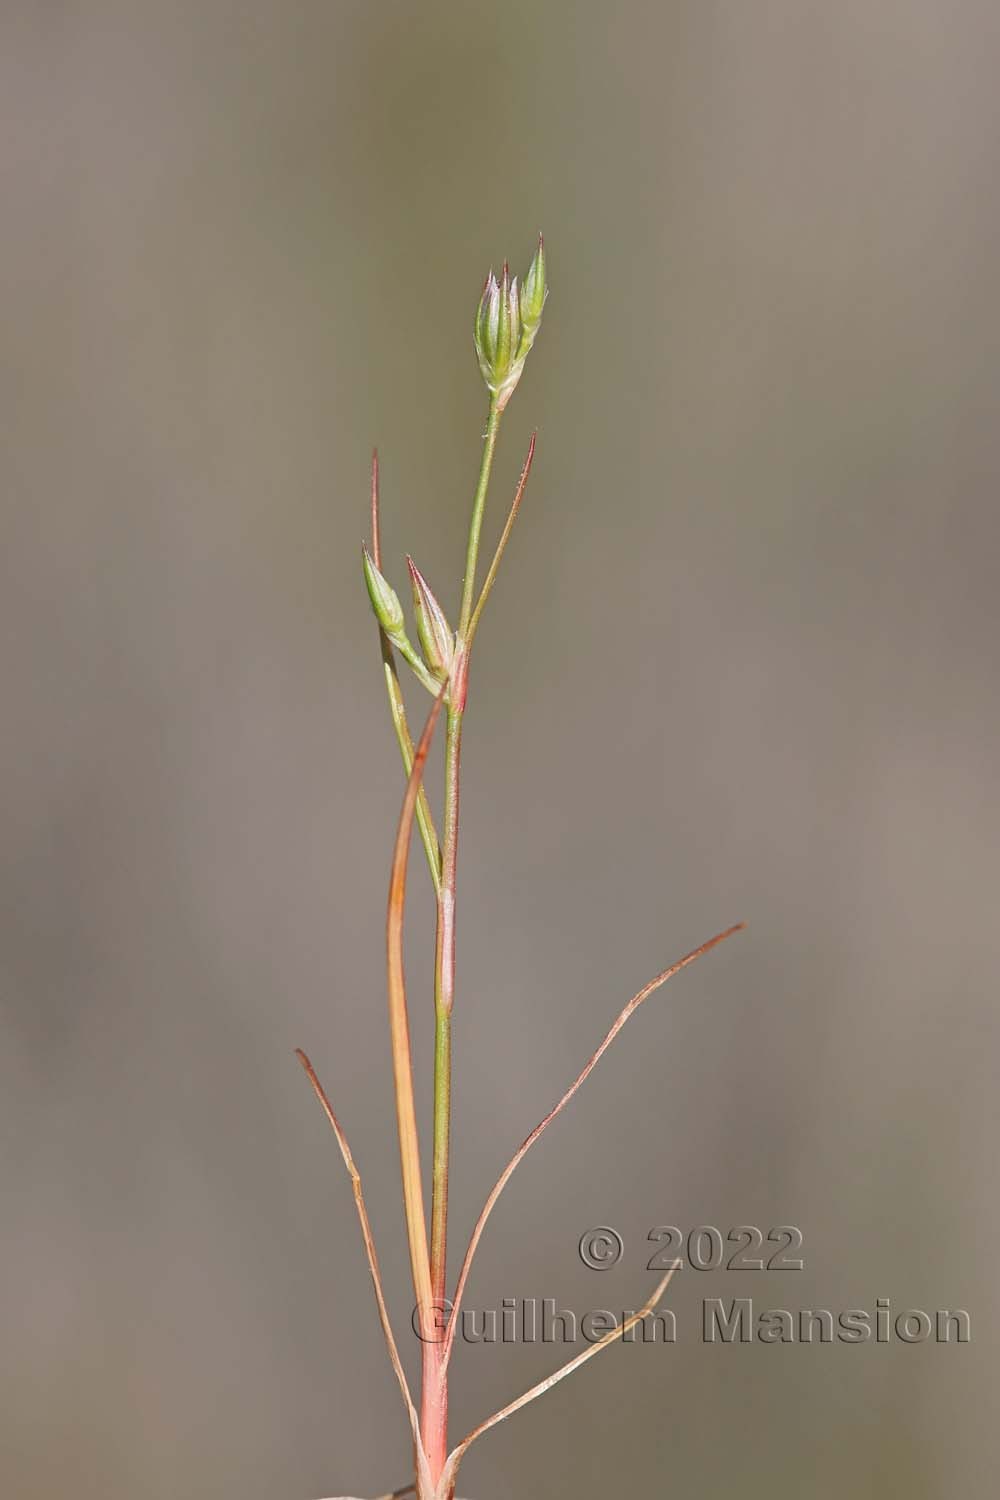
(434, 1414)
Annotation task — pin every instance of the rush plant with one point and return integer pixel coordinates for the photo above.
(507, 321)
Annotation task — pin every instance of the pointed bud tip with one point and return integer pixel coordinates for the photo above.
(384, 601)
(435, 634)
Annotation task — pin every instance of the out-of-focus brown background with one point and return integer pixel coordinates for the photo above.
(741, 664)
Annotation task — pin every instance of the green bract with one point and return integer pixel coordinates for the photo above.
(385, 600)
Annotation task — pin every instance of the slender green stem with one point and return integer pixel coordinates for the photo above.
(476, 524)
(434, 1393)
(444, 956)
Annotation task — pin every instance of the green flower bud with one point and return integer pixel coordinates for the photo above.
(488, 328)
(533, 295)
(436, 639)
(385, 600)
(509, 332)
(506, 323)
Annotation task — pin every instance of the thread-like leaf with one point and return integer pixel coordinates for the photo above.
(504, 538)
(376, 527)
(458, 1453)
(369, 1243)
(529, 1141)
(399, 1026)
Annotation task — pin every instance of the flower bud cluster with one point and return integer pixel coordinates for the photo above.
(507, 321)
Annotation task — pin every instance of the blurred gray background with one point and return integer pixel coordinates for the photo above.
(741, 664)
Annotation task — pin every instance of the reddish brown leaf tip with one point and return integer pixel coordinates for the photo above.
(376, 538)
